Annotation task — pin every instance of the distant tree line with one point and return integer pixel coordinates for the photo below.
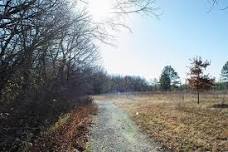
(169, 80)
(105, 83)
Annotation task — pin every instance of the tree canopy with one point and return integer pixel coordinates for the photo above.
(224, 73)
(169, 78)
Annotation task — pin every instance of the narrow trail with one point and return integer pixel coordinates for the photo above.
(114, 131)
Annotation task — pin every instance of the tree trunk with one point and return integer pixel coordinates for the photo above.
(198, 97)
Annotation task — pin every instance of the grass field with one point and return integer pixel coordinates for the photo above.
(177, 121)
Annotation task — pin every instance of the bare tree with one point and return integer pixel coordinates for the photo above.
(221, 4)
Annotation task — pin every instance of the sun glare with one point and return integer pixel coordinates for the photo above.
(99, 9)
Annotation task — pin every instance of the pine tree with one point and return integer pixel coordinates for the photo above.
(169, 78)
(224, 75)
(198, 81)
(165, 82)
(224, 72)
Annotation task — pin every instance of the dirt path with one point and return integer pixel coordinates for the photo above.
(113, 131)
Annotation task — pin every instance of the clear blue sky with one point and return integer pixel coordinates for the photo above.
(185, 29)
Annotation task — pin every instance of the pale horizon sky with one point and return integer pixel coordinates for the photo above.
(185, 29)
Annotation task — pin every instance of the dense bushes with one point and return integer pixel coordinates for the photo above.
(47, 53)
(70, 132)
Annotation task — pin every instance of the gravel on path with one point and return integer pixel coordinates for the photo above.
(114, 131)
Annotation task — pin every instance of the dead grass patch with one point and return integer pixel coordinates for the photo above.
(69, 133)
(181, 125)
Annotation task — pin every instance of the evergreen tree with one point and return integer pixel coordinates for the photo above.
(224, 72)
(169, 78)
(165, 82)
(198, 80)
(224, 76)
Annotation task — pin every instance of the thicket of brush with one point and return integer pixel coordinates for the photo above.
(47, 60)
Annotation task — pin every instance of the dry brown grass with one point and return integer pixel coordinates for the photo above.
(69, 133)
(178, 122)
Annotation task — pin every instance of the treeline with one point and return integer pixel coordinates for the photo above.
(169, 80)
(105, 83)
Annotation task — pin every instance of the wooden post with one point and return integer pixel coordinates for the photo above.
(198, 96)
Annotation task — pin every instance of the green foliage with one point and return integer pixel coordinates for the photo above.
(224, 77)
(165, 82)
(224, 72)
(169, 78)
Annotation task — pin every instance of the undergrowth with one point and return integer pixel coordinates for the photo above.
(69, 133)
(53, 123)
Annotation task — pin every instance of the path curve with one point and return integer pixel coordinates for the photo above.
(113, 131)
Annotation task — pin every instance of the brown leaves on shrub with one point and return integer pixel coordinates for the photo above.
(70, 133)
